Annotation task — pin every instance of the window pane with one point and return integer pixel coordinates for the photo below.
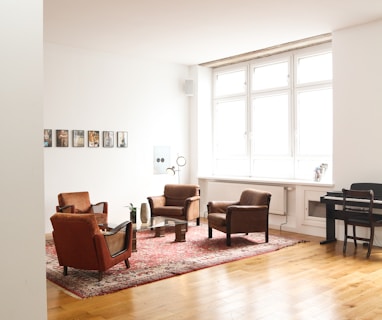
(273, 168)
(232, 167)
(314, 122)
(230, 83)
(271, 125)
(274, 75)
(314, 68)
(230, 128)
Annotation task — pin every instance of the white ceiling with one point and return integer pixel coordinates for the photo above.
(197, 31)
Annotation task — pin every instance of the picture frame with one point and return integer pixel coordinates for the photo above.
(78, 138)
(122, 139)
(47, 138)
(108, 139)
(62, 138)
(93, 139)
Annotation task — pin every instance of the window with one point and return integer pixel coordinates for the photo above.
(272, 117)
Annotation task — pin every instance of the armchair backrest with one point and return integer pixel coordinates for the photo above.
(81, 201)
(73, 236)
(176, 194)
(255, 197)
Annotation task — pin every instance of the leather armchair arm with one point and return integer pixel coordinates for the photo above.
(219, 206)
(100, 207)
(191, 207)
(118, 239)
(191, 199)
(116, 229)
(157, 201)
(67, 209)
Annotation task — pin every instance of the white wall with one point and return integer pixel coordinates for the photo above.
(98, 91)
(22, 241)
(204, 120)
(357, 104)
(357, 101)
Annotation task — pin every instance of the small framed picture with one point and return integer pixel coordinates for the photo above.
(108, 139)
(47, 138)
(78, 138)
(122, 139)
(93, 139)
(62, 138)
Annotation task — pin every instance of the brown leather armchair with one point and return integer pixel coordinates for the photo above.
(80, 243)
(79, 202)
(179, 201)
(249, 214)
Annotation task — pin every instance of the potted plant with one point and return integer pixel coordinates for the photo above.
(133, 213)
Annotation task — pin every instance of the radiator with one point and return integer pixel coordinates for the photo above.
(221, 190)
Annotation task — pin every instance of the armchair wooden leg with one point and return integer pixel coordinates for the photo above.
(266, 236)
(198, 221)
(228, 239)
(209, 232)
(127, 263)
(100, 275)
(65, 271)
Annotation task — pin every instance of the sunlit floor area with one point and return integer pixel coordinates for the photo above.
(305, 281)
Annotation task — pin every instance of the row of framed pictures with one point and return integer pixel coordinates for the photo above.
(62, 138)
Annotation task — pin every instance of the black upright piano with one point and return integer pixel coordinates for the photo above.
(334, 199)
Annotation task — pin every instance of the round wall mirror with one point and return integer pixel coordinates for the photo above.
(181, 161)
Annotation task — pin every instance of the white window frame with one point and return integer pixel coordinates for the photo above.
(292, 90)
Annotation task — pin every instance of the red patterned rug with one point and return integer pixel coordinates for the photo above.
(161, 258)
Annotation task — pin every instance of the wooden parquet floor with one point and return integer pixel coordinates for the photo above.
(306, 281)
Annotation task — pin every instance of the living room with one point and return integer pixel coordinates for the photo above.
(93, 90)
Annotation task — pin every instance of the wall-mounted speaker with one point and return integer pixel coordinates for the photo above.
(189, 87)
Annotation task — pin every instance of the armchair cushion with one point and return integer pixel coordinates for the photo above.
(170, 211)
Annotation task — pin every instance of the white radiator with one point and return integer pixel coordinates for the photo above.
(221, 190)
